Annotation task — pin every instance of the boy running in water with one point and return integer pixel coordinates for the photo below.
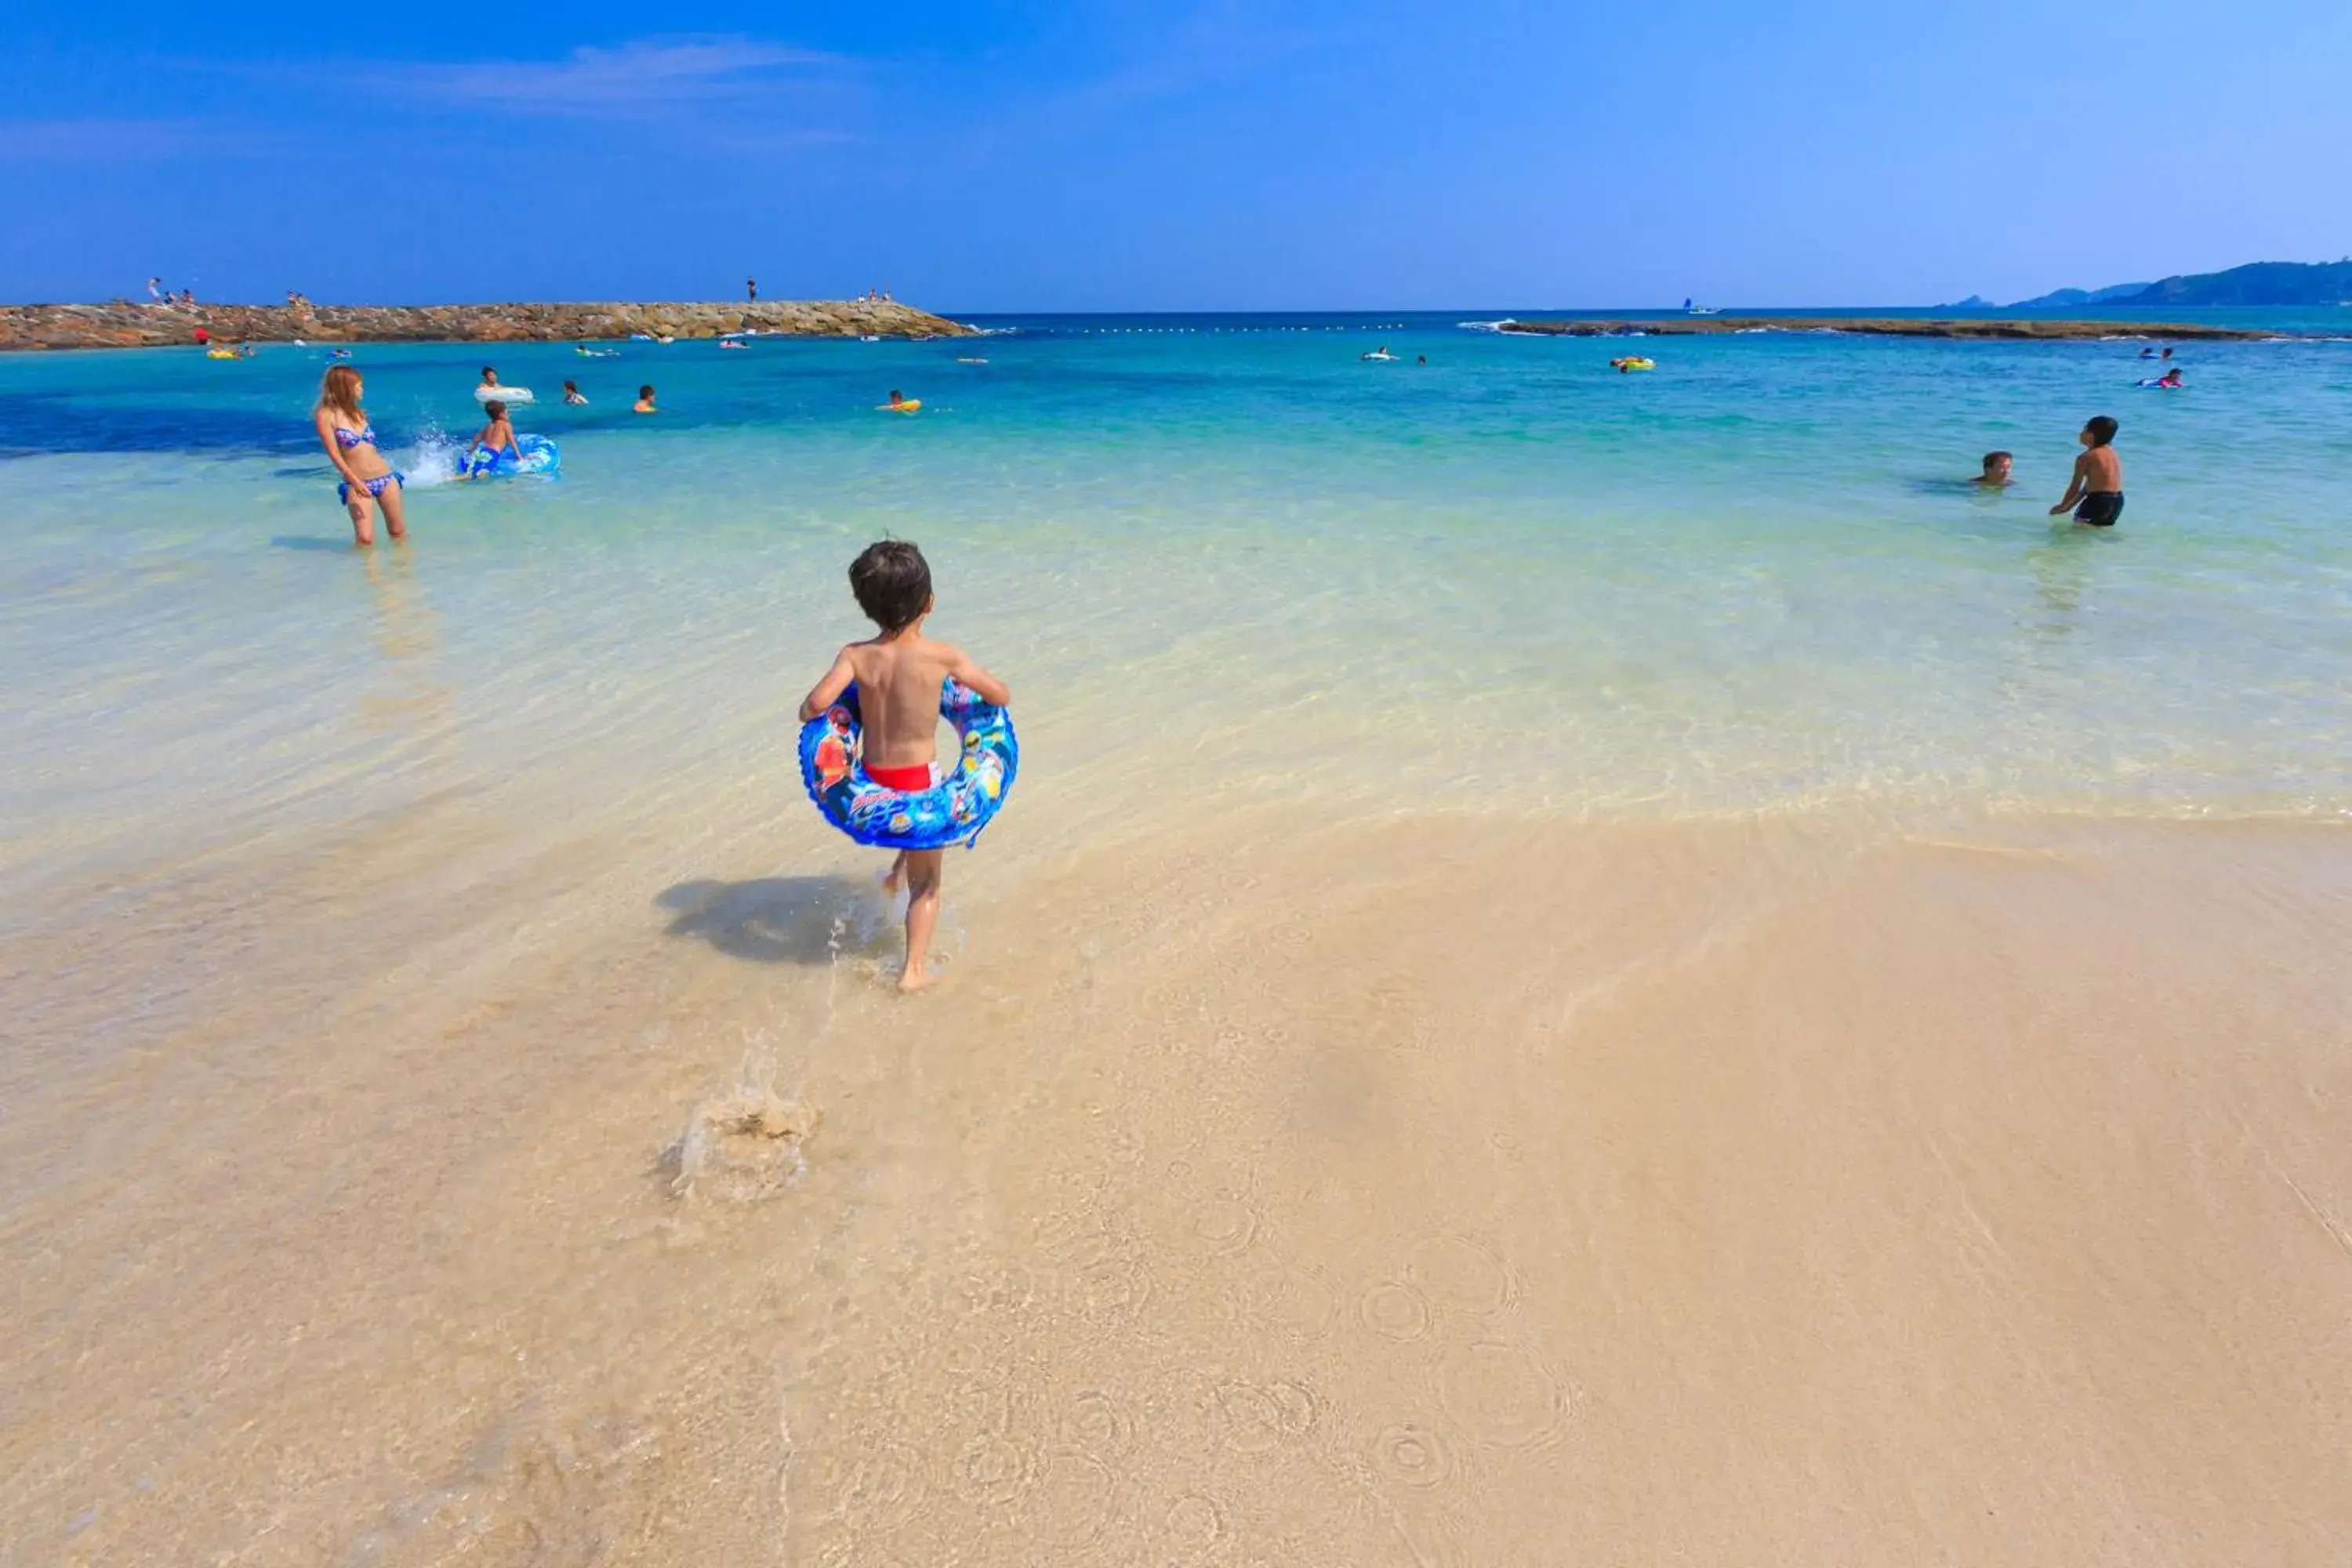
(899, 673)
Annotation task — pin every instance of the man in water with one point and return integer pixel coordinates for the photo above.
(752, 289)
(1996, 471)
(2096, 494)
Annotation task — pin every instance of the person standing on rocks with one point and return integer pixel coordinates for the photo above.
(752, 289)
(155, 290)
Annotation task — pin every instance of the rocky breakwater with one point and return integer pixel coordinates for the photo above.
(1881, 327)
(125, 325)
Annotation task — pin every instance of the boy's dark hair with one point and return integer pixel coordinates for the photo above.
(647, 390)
(2102, 428)
(1992, 458)
(495, 409)
(892, 581)
(488, 372)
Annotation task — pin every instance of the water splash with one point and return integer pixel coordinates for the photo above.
(433, 460)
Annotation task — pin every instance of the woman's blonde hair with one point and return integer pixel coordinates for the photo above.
(340, 390)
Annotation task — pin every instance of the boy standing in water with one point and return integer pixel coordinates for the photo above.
(899, 674)
(2096, 494)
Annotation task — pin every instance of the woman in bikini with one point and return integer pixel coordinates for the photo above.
(368, 481)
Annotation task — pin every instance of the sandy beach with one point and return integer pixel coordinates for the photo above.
(1429, 1191)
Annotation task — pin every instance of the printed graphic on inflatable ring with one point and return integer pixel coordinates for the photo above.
(972, 787)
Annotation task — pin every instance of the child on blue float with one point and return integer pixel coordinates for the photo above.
(898, 675)
(496, 439)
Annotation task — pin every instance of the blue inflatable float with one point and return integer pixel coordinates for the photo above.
(953, 811)
(532, 455)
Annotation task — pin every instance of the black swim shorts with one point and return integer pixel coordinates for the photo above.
(2100, 509)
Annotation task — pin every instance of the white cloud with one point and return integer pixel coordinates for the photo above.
(655, 73)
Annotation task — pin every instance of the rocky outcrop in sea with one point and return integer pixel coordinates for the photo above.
(123, 324)
(1882, 327)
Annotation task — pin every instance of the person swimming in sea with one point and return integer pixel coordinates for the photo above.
(2095, 496)
(1995, 476)
(571, 394)
(497, 436)
(368, 482)
(490, 382)
(899, 403)
(645, 402)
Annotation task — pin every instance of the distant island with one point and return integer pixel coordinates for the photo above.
(2272, 283)
(122, 324)
(1882, 327)
(2067, 298)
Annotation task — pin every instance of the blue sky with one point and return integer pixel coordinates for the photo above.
(1282, 154)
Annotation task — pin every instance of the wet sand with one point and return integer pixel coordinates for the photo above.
(1415, 1190)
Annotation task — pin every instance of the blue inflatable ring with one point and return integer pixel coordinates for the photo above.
(532, 455)
(953, 811)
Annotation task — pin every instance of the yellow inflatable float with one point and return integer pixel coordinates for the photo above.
(1631, 362)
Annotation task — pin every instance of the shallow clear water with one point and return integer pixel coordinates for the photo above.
(1214, 554)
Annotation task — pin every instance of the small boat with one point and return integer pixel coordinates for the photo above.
(1691, 310)
(869, 337)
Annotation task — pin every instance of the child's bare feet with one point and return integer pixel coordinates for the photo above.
(922, 867)
(913, 980)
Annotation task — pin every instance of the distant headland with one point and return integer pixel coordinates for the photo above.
(2276, 284)
(1881, 327)
(125, 325)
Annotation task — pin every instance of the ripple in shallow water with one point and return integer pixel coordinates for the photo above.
(743, 1147)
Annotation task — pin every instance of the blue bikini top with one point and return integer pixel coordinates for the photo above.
(363, 437)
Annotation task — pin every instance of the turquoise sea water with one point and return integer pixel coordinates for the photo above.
(1218, 557)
